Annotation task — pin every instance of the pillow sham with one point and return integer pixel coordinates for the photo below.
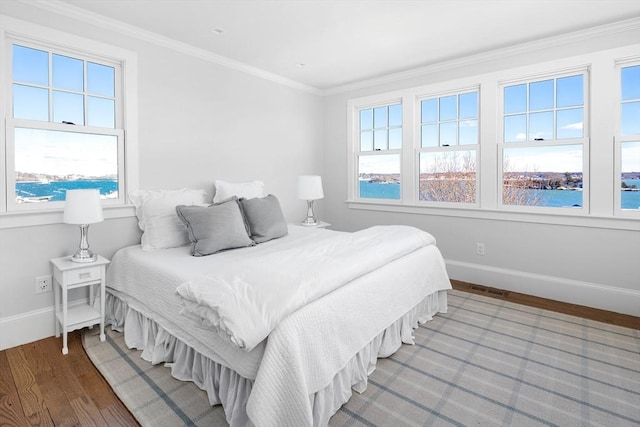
(248, 190)
(156, 212)
(264, 218)
(215, 228)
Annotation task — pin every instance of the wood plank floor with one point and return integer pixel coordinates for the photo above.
(41, 387)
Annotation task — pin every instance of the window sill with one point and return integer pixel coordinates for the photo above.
(565, 219)
(54, 216)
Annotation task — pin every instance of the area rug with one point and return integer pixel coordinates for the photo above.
(486, 363)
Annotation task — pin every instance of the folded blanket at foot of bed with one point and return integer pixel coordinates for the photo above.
(248, 300)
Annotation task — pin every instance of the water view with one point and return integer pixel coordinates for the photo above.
(550, 198)
(54, 191)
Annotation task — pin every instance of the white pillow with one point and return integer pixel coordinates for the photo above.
(157, 218)
(248, 190)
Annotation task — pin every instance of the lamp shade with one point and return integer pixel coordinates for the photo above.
(82, 207)
(310, 187)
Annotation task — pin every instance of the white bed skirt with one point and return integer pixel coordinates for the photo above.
(224, 386)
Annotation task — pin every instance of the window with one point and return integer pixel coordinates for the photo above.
(64, 114)
(448, 151)
(544, 142)
(628, 139)
(379, 151)
(64, 125)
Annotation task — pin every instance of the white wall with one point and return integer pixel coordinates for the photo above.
(198, 122)
(584, 263)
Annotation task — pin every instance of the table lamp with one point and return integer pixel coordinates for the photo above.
(83, 207)
(310, 189)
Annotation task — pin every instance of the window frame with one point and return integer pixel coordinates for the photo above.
(356, 152)
(419, 149)
(16, 31)
(619, 139)
(555, 142)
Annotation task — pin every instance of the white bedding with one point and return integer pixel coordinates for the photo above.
(309, 348)
(247, 300)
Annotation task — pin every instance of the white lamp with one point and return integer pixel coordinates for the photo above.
(83, 207)
(310, 189)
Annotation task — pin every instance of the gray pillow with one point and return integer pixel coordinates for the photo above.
(264, 218)
(215, 228)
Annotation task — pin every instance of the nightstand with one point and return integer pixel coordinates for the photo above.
(321, 224)
(72, 275)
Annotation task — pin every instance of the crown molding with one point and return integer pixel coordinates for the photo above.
(80, 14)
(632, 24)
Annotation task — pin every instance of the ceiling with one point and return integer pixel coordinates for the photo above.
(325, 44)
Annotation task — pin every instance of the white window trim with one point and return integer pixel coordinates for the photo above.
(601, 210)
(417, 141)
(584, 141)
(16, 28)
(619, 139)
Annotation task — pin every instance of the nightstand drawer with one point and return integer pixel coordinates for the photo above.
(81, 275)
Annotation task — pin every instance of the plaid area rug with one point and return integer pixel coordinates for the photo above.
(486, 362)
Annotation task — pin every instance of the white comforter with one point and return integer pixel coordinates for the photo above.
(246, 303)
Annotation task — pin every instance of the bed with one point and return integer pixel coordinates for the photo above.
(297, 367)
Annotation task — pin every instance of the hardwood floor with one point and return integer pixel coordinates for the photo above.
(561, 307)
(41, 387)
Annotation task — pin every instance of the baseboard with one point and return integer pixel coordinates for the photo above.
(29, 327)
(619, 300)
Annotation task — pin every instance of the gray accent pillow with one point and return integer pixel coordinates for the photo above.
(264, 218)
(215, 228)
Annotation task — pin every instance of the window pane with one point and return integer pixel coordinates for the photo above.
(570, 123)
(630, 177)
(68, 73)
(68, 107)
(468, 132)
(379, 176)
(30, 65)
(630, 118)
(101, 112)
(570, 91)
(541, 126)
(469, 105)
(366, 141)
(515, 128)
(395, 115)
(380, 139)
(429, 136)
(448, 134)
(100, 79)
(30, 103)
(366, 119)
(429, 110)
(631, 83)
(395, 139)
(448, 176)
(543, 176)
(448, 108)
(515, 99)
(48, 163)
(541, 95)
(380, 117)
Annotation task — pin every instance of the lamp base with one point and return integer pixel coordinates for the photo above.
(310, 222)
(84, 256)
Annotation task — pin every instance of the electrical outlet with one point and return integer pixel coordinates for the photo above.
(480, 249)
(43, 284)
